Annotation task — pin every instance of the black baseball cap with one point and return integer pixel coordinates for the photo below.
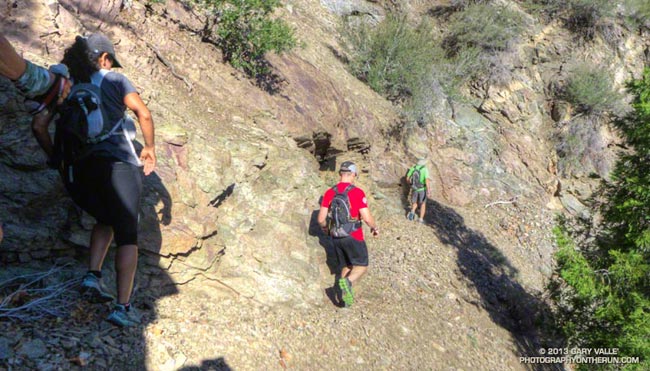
(99, 43)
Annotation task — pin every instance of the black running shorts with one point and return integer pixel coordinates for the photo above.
(418, 196)
(351, 252)
(109, 191)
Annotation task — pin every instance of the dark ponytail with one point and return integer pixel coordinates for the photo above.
(81, 62)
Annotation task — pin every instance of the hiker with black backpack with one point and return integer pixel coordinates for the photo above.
(100, 168)
(342, 210)
(417, 177)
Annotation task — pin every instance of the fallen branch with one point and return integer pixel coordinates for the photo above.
(54, 300)
(169, 65)
(57, 32)
(511, 201)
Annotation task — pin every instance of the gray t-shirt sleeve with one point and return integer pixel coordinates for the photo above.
(115, 87)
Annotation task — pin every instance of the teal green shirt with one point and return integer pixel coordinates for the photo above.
(424, 175)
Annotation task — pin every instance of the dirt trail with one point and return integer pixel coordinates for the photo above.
(424, 304)
(415, 310)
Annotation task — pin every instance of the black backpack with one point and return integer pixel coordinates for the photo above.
(416, 182)
(82, 122)
(340, 222)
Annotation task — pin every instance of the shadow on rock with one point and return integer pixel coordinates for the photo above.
(493, 277)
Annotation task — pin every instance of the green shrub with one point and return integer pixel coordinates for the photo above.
(392, 57)
(486, 27)
(586, 16)
(245, 32)
(407, 65)
(590, 88)
(638, 11)
(583, 17)
(414, 67)
(574, 268)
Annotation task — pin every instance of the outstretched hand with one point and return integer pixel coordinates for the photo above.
(148, 158)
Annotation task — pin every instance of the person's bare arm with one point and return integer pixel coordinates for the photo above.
(12, 65)
(40, 124)
(366, 216)
(322, 218)
(148, 154)
(428, 183)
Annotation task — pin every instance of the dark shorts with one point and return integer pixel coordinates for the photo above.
(351, 252)
(418, 196)
(109, 191)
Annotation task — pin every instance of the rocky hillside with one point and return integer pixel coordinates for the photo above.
(232, 271)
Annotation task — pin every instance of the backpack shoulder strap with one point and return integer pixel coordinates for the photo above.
(348, 189)
(97, 77)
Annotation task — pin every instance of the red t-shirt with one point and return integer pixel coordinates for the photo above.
(357, 201)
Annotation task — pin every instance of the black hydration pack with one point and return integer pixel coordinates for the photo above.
(340, 222)
(83, 121)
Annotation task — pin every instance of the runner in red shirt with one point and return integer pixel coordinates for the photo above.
(351, 250)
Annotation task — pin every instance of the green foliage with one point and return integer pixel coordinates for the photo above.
(638, 11)
(246, 32)
(629, 209)
(591, 89)
(416, 66)
(393, 57)
(574, 268)
(607, 303)
(489, 28)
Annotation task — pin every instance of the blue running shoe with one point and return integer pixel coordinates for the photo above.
(120, 317)
(91, 290)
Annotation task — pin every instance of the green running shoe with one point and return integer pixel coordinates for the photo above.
(346, 289)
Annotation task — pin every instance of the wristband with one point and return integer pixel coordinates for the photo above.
(34, 81)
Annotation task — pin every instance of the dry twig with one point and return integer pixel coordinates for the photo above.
(511, 201)
(53, 300)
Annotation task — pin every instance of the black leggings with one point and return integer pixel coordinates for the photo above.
(110, 191)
